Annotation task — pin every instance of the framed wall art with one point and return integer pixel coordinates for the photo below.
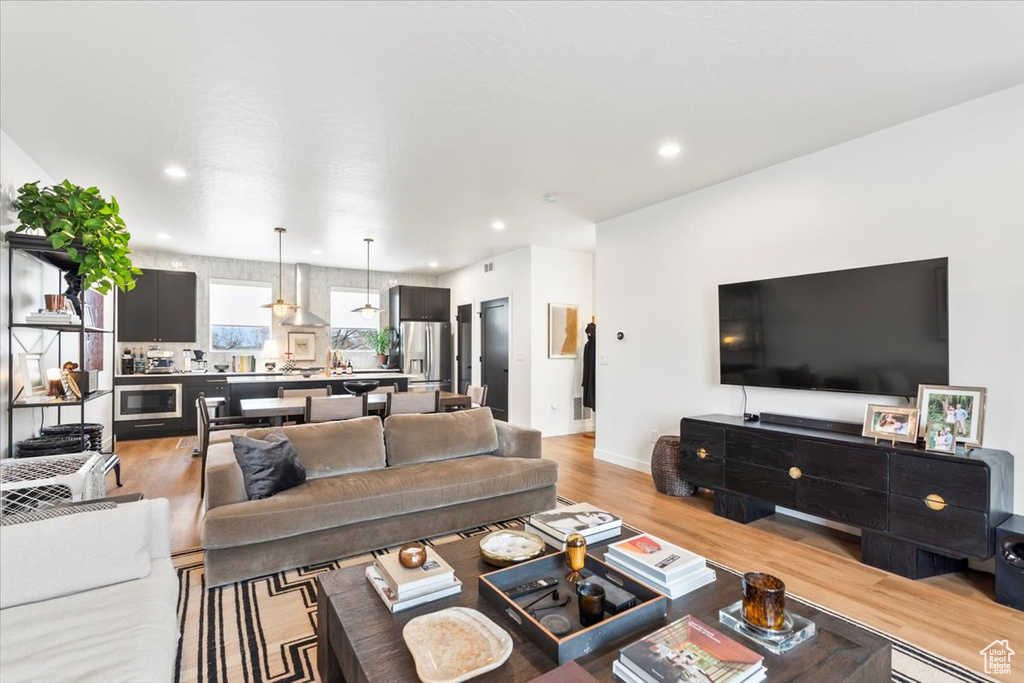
(563, 330)
(302, 345)
(962, 409)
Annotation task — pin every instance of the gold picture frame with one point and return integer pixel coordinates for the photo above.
(961, 407)
(891, 423)
(938, 438)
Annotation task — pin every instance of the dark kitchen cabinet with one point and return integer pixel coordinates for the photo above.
(420, 303)
(161, 308)
(210, 387)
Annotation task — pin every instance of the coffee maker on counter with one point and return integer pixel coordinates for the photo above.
(159, 362)
(195, 360)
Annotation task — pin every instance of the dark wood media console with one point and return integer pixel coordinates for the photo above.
(920, 513)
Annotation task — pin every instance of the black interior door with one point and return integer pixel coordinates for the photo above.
(464, 352)
(494, 355)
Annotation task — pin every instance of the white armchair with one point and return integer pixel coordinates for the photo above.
(88, 594)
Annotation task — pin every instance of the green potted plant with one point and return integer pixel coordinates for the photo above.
(87, 227)
(382, 341)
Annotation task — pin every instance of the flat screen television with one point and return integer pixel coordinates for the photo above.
(877, 330)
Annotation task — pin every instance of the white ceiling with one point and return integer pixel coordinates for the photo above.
(421, 123)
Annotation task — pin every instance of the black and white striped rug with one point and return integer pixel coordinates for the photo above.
(264, 630)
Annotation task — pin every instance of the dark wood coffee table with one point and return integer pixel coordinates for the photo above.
(358, 639)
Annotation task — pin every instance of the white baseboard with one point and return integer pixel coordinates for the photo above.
(622, 461)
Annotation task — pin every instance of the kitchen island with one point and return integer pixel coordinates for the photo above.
(174, 395)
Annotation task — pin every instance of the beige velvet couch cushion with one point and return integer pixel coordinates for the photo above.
(332, 502)
(329, 448)
(412, 439)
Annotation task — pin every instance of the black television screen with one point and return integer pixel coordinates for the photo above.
(876, 330)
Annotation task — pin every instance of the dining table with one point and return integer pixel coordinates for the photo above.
(279, 409)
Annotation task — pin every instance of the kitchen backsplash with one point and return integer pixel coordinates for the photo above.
(321, 281)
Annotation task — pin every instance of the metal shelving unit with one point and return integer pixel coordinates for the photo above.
(39, 249)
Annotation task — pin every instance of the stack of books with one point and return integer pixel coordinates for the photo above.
(401, 588)
(660, 564)
(554, 526)
(53, 318)
(688, 650)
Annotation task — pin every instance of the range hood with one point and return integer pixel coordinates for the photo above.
(303, 317)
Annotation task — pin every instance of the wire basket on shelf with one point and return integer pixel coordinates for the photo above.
(48, 480)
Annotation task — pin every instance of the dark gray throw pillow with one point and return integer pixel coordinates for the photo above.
(269, 466)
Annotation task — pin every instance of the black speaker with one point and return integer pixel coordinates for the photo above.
(1010, 562)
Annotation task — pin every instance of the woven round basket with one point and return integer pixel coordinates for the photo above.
(665, 468)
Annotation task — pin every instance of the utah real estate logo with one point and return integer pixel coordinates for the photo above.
(997, 657)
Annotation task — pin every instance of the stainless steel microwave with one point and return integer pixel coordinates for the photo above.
(142, 401)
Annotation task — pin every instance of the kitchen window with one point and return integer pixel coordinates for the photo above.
(349, 330)
(238, 320)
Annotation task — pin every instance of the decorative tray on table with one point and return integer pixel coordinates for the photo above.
(649, 609)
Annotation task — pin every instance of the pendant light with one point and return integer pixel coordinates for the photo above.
(279, 307)
(368, 312)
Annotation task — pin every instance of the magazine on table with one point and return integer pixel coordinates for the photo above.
(656, 558)
(559, 543)
(582, 518)
(405, 581)
(690, 650)
(387, 594)
(687, 583)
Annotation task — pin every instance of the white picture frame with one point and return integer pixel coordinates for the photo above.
(302, 345)
(33, 373)
(963, 408)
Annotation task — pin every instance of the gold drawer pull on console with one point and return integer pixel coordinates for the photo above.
(795, 473)
(934, 501)
(702, 453)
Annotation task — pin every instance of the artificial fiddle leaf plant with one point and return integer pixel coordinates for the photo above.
(85, 225)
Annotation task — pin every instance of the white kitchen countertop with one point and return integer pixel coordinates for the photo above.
(243, 377)
(249, 379)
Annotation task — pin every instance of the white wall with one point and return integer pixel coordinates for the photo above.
(31, 281)
(510, 278)
(947, 184)
(563, 277)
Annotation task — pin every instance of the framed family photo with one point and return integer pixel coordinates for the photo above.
(960, 409)
(938, 437)
(891, 423)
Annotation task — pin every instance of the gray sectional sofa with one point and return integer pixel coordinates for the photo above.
(371, 485)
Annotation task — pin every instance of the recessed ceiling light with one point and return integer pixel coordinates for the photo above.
(498, 225)
(163, 236)
(317, 252)
(175, 171)
(433, 264)
(669, 150)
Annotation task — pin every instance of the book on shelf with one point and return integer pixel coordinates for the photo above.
(690, 650)
(451, 586)
(407, 582)
(559, 543)
(679, 587)
(661, 560)
(582, 518)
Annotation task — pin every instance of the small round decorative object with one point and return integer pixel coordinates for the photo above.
(507, 547)
(412, 555)
(575, 556)
(360, 386)
(556, 623)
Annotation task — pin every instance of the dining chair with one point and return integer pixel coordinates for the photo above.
(213, 430)
(386, 389)
(330, 408)
(404, 402)
(311, 391)
(477, 395)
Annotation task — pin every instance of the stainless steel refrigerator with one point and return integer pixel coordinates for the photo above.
(426, 352)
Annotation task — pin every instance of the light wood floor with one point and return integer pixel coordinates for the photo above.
(953, 615)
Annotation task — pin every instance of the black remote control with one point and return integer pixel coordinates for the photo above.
(531, 587)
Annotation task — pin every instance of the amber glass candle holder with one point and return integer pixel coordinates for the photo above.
(764, 601)
(575, 556)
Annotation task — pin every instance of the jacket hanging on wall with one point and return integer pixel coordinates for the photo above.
(590, 367)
